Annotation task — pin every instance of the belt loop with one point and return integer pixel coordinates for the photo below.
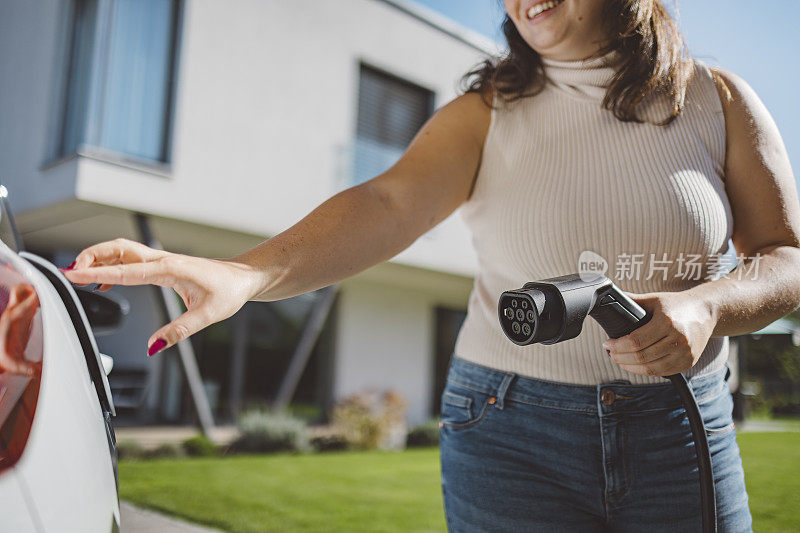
(503, 389)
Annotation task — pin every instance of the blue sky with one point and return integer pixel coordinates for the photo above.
(758, 41)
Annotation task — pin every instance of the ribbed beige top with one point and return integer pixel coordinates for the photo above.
(560, 176)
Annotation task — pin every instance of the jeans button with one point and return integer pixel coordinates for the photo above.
(608, 396)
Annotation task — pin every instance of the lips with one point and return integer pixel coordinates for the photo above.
(541, 7)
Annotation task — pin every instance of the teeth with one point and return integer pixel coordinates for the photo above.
(544, 6)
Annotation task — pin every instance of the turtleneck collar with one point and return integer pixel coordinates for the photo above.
(583, 78)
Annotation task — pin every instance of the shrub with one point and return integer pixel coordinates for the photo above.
(426, 434)
(307, 412)
(199, 446)
(353, 417)
(168, 449)
(369, 420)
(130, 450)
(265, 432)
(329, 443)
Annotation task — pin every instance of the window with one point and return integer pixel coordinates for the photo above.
(120, 78)
(390, 112)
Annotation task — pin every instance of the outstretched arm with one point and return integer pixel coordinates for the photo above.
(372, 222)
(348, 233)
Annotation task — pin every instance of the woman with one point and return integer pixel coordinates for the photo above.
(595, 134)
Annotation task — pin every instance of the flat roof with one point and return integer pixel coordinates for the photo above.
(446, 25)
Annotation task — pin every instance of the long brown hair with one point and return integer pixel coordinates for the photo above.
(654, 61)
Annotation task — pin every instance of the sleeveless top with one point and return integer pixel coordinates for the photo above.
(560, 177)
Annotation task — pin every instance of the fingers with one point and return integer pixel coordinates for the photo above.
(649, 354)
(22, 305)
(179, 329)
(115, 252)
(15, 323)
(17, 366)
(152, 273)
(639, 339)
(665, 366)
(118, 251)
(666, 357)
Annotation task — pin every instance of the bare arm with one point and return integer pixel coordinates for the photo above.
(763, 198)
(348, 233)
(372, 222)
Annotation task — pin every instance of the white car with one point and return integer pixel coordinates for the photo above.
(58, 461)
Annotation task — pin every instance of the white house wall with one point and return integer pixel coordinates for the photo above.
(384, 340)
(264, 122)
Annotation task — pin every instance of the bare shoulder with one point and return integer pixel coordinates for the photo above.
(759, 179)
(473, 103)
(741, 104)
(749, 126)
(470, 113)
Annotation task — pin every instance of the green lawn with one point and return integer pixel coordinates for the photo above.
(385, 491)
(350, 491)
(772, 473)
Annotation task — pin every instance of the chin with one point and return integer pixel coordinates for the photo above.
(565, 33)
(547, 43)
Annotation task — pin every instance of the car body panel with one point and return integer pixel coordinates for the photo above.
(75, 310)
(66, 465)
(17, 514)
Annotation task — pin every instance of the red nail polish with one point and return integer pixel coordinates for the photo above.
(156, 347)
(69, 267)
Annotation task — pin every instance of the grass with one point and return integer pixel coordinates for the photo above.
(772, 474)
(348, 491)
(385, 491)
(788, 423)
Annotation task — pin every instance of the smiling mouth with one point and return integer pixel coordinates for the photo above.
(541, 8)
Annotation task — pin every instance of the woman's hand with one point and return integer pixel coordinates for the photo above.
(671, 342)
(211, 289)
(15, 330)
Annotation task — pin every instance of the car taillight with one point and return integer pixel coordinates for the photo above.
(21, 354)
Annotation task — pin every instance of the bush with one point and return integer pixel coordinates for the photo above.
(772, 371)
(265, 432)
(426, 434)
(168, 449)
(307, 412)
(199, 446)
(129, 450)
(370, 421)
(329, 443)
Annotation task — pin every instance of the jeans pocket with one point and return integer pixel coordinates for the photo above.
(463, 407)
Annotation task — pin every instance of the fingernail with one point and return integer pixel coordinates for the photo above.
(156, 347)
(70, 267)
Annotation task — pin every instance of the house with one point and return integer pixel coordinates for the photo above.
(213, 126)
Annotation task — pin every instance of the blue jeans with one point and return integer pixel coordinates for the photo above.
(523, 454)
